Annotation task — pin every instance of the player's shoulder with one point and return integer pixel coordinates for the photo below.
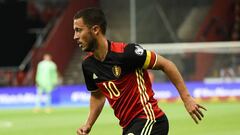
(42, 63)
(117, 47)
(134, 48)
(87, 58)
(121, 47)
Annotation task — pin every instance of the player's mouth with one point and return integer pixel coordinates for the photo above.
(80, 44)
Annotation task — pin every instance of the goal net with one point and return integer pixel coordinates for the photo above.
(201, 61)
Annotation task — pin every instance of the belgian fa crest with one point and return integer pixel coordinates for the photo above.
(116, 71)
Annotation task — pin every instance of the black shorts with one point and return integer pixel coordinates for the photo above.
(140, 126)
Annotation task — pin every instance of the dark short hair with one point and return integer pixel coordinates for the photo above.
(92, 16)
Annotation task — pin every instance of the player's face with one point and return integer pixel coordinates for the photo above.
(47, 57)
(84, 36)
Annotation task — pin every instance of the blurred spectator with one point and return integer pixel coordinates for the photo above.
(4, 80)
(238, 71)
(227, 73)
(238, 65)
(20, 78)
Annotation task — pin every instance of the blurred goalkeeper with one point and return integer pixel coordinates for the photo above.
(118, 72)
(46, 81)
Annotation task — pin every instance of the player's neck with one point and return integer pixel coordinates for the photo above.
(101, 52)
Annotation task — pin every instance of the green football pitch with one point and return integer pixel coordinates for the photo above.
(220, 119)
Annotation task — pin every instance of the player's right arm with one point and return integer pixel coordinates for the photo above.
(97, 101)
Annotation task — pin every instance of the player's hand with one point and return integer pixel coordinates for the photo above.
(194, 110)
(84, 130)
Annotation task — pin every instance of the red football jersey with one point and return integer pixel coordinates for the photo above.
(123, 79)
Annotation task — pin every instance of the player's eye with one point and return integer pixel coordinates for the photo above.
(78, 29)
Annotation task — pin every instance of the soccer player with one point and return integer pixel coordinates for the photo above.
(46, 81)
(117, 72)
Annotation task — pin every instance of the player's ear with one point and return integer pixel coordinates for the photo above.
(95, 29)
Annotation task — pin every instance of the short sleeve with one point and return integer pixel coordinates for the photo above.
(91, 85)
(134, 55)
(137, 57)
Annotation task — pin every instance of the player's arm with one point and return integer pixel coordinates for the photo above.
(170, 69)
(136, 56)
(97, 101)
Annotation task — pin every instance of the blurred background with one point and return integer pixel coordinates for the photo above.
(31, 27)
(200, 36)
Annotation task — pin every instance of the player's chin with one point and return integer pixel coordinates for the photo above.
(85, 49)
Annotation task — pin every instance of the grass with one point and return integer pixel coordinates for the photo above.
(220, 119)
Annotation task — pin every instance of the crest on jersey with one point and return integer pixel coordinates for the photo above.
(116, 70)
(139, 50)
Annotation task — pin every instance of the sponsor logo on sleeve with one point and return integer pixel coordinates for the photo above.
(139, 50)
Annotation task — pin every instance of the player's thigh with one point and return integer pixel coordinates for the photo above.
(161, 127)
(145, 127)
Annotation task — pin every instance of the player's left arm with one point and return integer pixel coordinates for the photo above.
(136, 56)
(170, 69)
